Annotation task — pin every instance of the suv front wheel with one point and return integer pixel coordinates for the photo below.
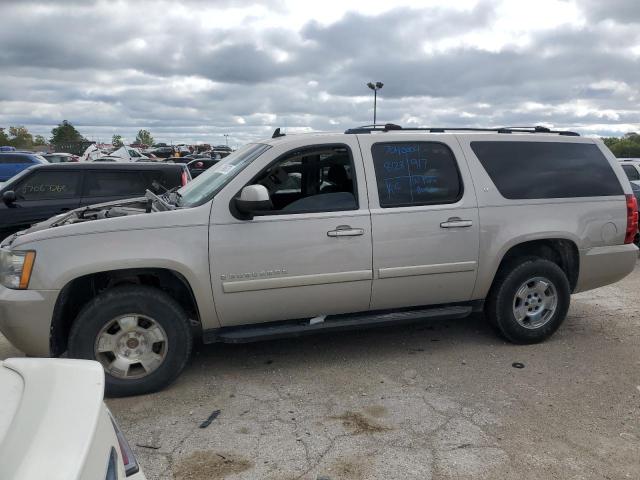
(529, 300)
(139, 334)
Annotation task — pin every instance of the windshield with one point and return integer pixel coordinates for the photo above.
(207, 184)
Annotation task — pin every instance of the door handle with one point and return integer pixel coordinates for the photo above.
(456, 222)
(345, 231)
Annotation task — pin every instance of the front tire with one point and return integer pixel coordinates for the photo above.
(139, 334)
(529, 301)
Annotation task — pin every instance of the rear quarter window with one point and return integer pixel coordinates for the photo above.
(52, 185)
(535, 170)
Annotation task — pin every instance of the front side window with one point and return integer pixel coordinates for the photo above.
(209, 183)
(415, 173)
(311, 179)
(49, 186)
(536, 170)
(632, 173)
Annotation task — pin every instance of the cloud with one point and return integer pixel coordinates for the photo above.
(195, 69)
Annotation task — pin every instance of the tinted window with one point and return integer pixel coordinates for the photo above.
(100, 184)
(43, 185)
(6, 159)
(528, 170)
(415, 173)
(631, 172)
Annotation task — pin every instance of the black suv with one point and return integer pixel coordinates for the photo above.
(43, 191)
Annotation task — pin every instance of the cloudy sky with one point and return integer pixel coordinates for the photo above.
(195, 70)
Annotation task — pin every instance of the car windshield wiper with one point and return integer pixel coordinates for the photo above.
(161, 204)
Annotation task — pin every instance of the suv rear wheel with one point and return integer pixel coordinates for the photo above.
(529, 301)
(140, 335)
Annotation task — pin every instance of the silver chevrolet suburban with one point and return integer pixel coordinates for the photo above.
(306, 233)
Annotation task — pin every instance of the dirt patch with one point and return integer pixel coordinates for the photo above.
(348, 469)
(359, 423)
(204, 465)
(376, 411)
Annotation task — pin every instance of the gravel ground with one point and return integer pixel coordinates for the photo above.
(436, 400)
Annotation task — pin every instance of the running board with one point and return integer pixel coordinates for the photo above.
(295, 328)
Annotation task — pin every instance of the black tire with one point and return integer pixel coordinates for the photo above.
(141, 300)
(500, 303)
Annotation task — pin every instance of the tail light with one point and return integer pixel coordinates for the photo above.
(184, 178)
(632, 219)
(128, 457)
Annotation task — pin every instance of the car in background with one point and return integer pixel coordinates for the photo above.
(53, 419)
(200, 165)
(635, 186)
(13, 162)
(162, 151)
(43, 191)
(60, 157)
(631, 167)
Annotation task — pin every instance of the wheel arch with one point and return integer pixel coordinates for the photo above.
(561, 251)
(79, 291)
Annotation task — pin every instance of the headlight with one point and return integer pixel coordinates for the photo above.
(15, 268)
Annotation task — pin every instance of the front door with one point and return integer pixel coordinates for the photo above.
(311, 254)
(424, 219)
(40, 195)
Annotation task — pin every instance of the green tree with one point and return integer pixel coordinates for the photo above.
(20, 137)
(39, 140)
(4, 138)
(65, 133)
(116, 141)
(627, 146)
(144, 136)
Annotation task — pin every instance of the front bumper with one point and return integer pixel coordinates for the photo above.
(25, 318)
(602, 266)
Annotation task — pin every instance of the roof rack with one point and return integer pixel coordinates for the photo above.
(392, 126)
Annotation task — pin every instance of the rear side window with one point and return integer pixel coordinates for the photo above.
(104, 184)
(415, 173)
(632, 173)
(13, 159)
(534, 170)
(43, 185)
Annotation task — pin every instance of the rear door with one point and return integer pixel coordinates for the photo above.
(43, 194)
(424, 219)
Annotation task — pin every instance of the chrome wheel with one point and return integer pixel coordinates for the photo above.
(131, 346)
(535, 303)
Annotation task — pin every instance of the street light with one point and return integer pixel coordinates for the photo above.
(375, 87)
(226, 139)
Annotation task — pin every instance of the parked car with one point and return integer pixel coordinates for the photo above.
(377, 226)
(200, 165)
(55, 425)
(60, 157)
(43, 191)
(12, 163)
(631, 167)
(162, 152)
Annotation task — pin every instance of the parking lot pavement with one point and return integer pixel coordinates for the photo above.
(436, 400)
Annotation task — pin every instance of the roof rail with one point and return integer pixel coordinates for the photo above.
(391, 126)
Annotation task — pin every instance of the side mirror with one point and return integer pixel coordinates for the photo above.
(254, 199)
(9, 197)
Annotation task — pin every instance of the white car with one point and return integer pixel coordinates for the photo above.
(54, 424)
(631, 167)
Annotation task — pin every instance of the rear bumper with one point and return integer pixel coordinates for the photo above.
(602, 266)
(25, 318)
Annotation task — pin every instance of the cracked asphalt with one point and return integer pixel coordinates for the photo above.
(434, 400)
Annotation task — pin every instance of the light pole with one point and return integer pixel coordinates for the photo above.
(375, 87)
(226, 139)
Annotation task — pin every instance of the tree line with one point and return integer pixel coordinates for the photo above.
(63, 134)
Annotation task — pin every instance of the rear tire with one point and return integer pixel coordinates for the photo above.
(529, 300)
(139, 334)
